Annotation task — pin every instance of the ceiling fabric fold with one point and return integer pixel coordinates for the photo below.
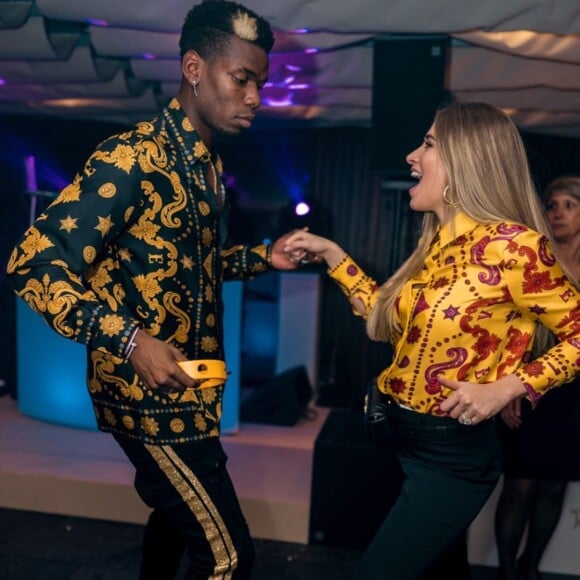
(112, 60)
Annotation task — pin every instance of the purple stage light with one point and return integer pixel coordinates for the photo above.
(302, 208)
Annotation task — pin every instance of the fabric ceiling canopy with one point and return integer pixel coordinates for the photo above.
(118, 61)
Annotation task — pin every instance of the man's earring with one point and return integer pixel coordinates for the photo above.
(194, 86)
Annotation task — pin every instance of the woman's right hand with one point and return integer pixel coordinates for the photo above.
(303, 240)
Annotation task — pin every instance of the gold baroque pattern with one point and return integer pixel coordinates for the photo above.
(177, 425)
(111, 325)
(204, 208)
(170, 210)
(89, 254)
(128, 422)
(150, 426)
(54, 298)
(34, 243)
(103, 369)
(123, 157)
(200, 422)
(189, 396)
(100, 278)
(186, 125)
(107, 190)
(170, 301)
(71, 192)
(110, 417)
(209, 395)
(207, 236)
(209, 344)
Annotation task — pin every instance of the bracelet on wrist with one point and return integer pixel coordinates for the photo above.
(131, 345)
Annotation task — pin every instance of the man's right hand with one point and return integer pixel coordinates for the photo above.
(156, 364)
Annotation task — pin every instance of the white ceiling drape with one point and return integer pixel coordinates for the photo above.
(118, 61)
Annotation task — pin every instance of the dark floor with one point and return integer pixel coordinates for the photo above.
(35, 546)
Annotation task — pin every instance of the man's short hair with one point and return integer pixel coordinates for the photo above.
(209, 26)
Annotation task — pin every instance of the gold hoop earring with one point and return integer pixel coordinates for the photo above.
(450, 202)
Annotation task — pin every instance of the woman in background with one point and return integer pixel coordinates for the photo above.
(541, 445)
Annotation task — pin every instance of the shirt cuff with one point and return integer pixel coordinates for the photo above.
(347, 274)
(269, 249)
(531, 394)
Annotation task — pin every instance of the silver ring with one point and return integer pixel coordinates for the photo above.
(305, 261)
(464, 420)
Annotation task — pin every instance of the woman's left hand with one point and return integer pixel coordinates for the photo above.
(284, 260)
(472, 403)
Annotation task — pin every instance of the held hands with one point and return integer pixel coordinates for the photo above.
(302, 245)
(283, 260)
(156, 364)
(472, 403)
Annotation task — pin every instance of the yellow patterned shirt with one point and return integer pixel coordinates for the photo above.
(136, 239)
(472, 313)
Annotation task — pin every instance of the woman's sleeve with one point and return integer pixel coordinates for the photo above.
(541, 290)
(355, 284)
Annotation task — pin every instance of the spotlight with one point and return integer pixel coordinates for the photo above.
(305, 213)
(302, 208)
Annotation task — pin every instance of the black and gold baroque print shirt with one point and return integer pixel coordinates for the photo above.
(135, 240)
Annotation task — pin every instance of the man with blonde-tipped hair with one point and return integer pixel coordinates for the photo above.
(130, 260)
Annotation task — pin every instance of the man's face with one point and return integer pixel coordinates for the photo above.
(229, 88)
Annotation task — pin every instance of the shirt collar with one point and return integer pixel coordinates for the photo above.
(189, 137)
(456, 227)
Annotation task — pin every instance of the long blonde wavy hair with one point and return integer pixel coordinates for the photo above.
(489, 176)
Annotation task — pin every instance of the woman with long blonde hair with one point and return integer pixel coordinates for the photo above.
(482, 287)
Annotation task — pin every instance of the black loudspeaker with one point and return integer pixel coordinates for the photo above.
(281, 401)
(354, 483)
(408, 86)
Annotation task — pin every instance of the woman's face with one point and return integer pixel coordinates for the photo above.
(427, 167)
(564, 216)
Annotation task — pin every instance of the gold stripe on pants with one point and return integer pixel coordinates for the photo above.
(201, 505)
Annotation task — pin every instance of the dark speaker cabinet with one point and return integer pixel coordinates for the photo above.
(409, 84)
(354, 483)
(282, 400)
